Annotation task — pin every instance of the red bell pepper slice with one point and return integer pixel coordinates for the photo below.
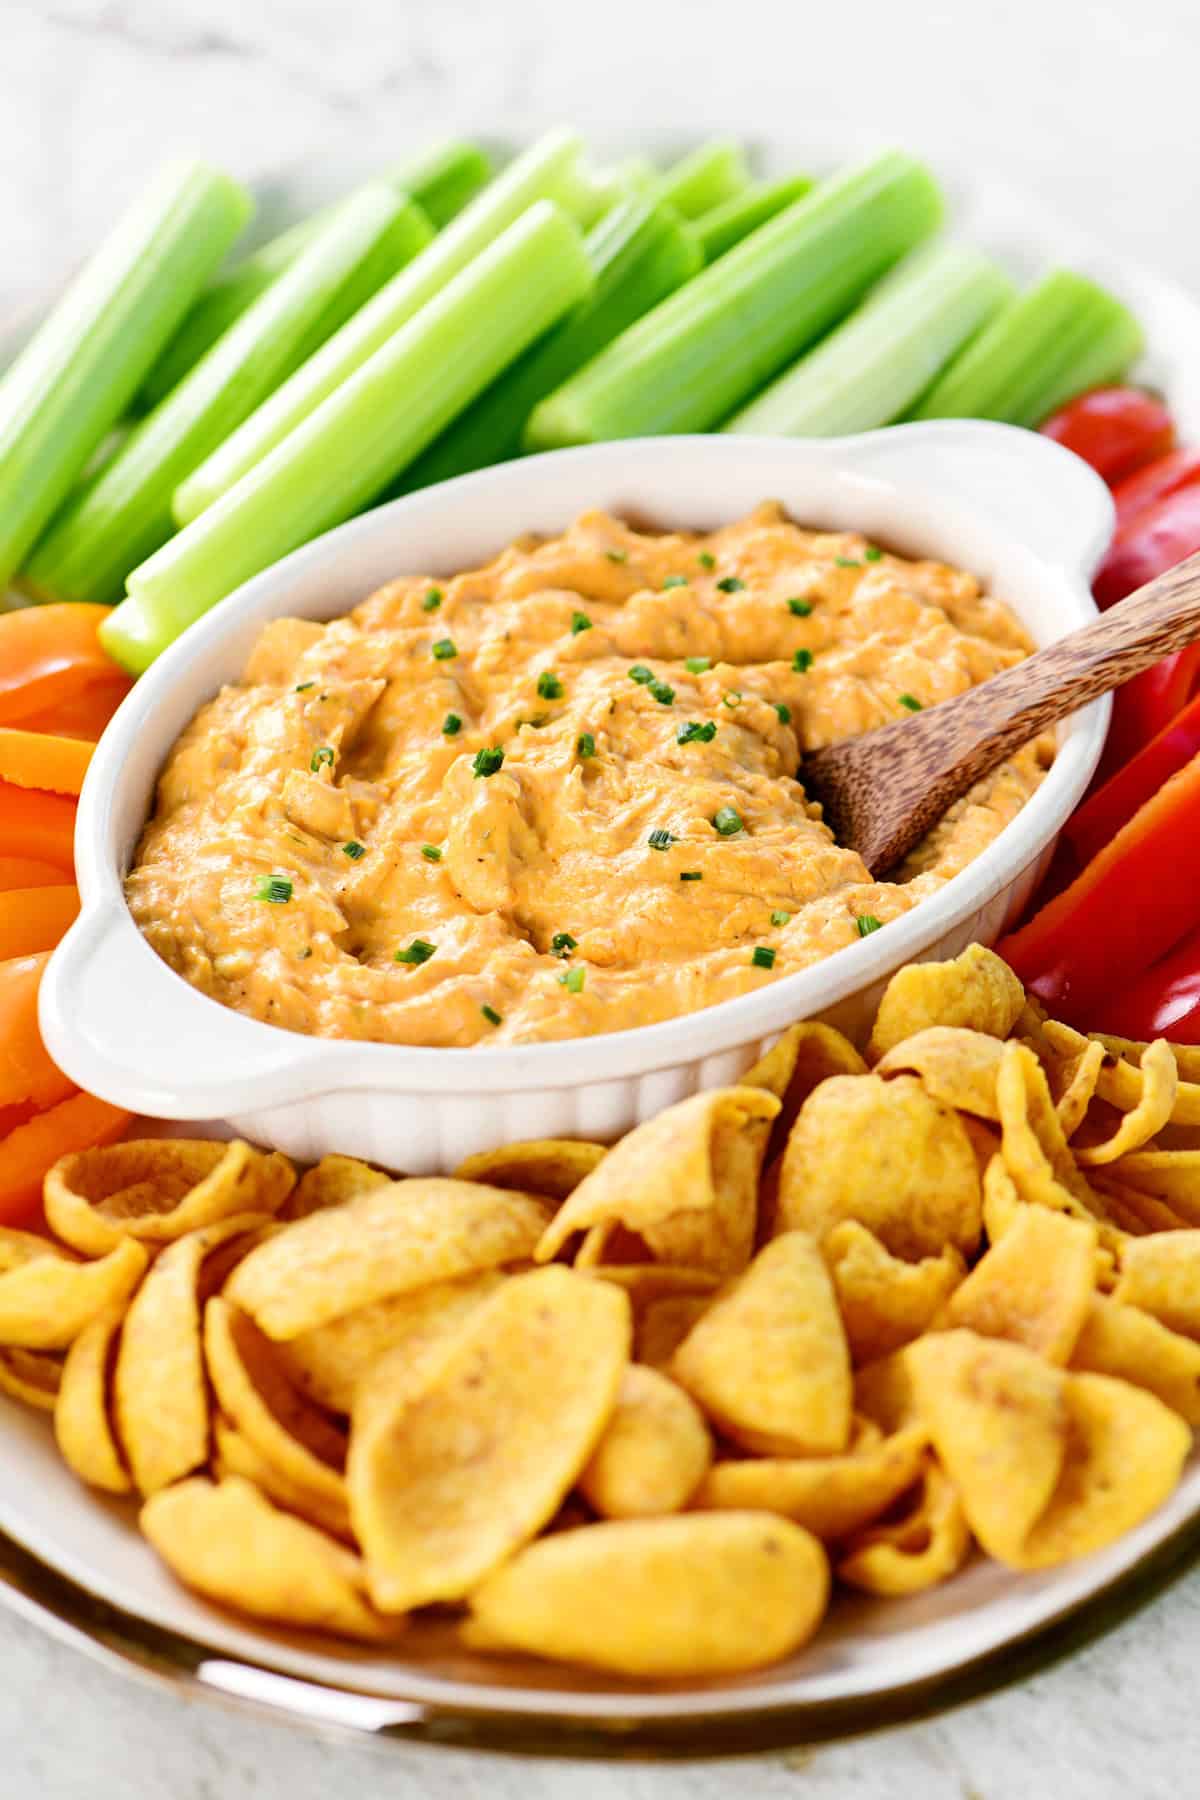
(1155, 540)
(1111, 806)
(1133, 902)
(1145, 706)
(1115, 429)
(1137, 493)
(1164, 1002)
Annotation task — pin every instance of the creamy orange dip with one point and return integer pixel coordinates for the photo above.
(556, 795)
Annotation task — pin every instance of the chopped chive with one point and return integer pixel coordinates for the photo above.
(867, 923)
(486, 762)
(780, 917)
(491, 1015)
(660, 839)
(585, 746)
(549, 687)
(801, 608)
(451, 725)
(354, 850)
(444, 650)
(572, 980)
(695, 733)
(617, 556)
(580, 622)
(562, 944)
(663, 692)
(276, 889)
(763, 957)
(674, 581)
(911, 701)
(321, 758)
(418, 952)
(691, 875)
(697, 665)
(707, 560)
(802, 662)
(728, 821)
(431, 853)
(730, 584)
(873, 555)
(432, 600)
(732, 699)
(847, 562)
(304, 687)
(784, 712)
(641, 674)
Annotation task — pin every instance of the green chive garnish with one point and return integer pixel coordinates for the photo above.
(418, 952)
(847, 562)
(549, 687)
(585, 746)
(867, 923)
(641, 674)
(320, 758)
(780, 917)
(660, 839)
(572, 980)
(674, 581)
(304, 687)
(617, 556)
(763, 957)
(451, 725)
(431, 853)
(728, 821)
(707, 560)
(486, 762)
(730, 584)
(354, 850)
(580, 622)
(444, 649)
(276, 889)
(802, 662)
(562, 943)
(911, 701)
(692, 875)
(695, 733)
(491, 1015)
(662, 692)
(801, 608)
(873, 555)
(696, 665)
(732, 699)
(432, 600)
(784, 712)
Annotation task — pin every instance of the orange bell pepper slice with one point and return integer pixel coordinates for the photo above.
(29, 1153)
(48, 655)
(33, 759)
(27, 872)
(27, 1075)
(33, 919)
(85, 715)
(41, 826)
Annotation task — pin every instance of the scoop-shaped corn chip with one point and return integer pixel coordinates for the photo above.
(997, 1416)
(1170, 1175)
(82, 1423)
(1002, 1204)
(957, 1067)
(1078, 1080)
(768, 1359)
(1144, 1121)
(1036, 1153)
(887, 1154)
(831, 1496)
(1033, 1286)
(46, 1302)
(660, 1326)
(157, 1189)
(976, 991)
(257, 1398)
(1133, 1345)
(20, 1247)
(647, 1282)
(1161, 1274)
(234, 1454)
(331, 1182)
(388, 1241)
(231, 1545)
(160, 1392)
(686, 1182)
(883, 1393)
(885, 1302)
(927, 1545)
(329, 1362)
(1120, 1082)
(551, 1166)
(804, 1056)
(447, 1481)
(33, 1376)
(693, 1595)
(1134, 1213)
(654, 1450)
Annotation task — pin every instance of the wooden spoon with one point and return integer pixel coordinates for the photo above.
(883, 792)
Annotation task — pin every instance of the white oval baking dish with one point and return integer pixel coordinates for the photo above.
(1026, 516)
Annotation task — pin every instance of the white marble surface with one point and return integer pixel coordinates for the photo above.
(1091, 103)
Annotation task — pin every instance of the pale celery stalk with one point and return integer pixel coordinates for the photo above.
(886, 353)
(721, 227)
(703, 352)
(706, 177)
(544, 171)
(122, 513)
(1061, 336)
(381, 417)
(76, 376)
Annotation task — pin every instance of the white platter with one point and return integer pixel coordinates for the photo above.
(868, 1652)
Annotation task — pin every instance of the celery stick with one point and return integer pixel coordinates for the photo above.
(707, 177)
(441, 181)
(703, 351)
(77, 374)
(376, 422)
(1063, 335)
(115, 520)
(886, 353)
(721, 227)
(640, 252)
(544, 171)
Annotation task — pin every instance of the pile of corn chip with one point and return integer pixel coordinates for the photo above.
(638, 1408)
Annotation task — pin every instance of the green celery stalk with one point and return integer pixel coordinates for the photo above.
(77, 374)
(1061, 336)
(702, 352)
(117, 518)
(440, 181)
(640, 252)
(721, 227)
(346, 451)
(706, 177)
(546, 170)
(876, 363)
